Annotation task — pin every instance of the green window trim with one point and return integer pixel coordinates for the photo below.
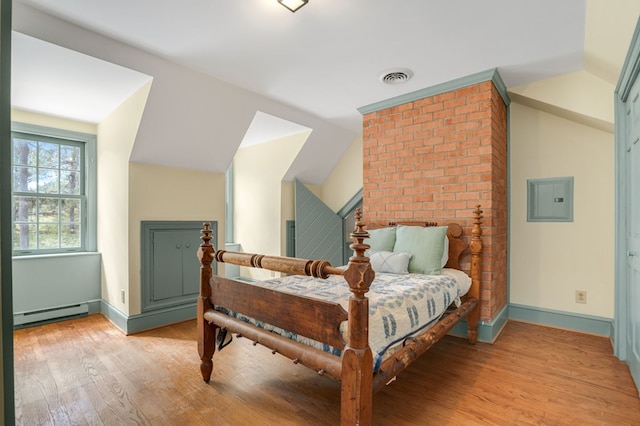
(48, 195)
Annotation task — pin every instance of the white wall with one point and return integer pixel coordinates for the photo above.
(550, 261)
(169, 193)
(345, 179)
(578, 95)
(258, 212)
(53, 122)
(116, 136)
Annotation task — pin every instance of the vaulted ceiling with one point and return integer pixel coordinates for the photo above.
(324, 61)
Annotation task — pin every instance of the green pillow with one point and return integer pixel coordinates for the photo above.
(426, 245)
(382, 239)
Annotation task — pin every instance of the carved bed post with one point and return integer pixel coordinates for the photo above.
(357, 361)
(206, 331)
(476, 274)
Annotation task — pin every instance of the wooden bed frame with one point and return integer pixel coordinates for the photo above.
(320, 320)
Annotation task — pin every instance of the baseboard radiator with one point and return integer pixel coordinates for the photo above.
(51, 314)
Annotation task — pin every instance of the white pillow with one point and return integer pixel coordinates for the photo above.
(391, 262)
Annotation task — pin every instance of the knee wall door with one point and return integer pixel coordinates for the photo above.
(170, 268)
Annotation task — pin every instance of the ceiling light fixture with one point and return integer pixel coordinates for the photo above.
(293, 5)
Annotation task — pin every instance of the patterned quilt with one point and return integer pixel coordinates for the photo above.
(400, 305)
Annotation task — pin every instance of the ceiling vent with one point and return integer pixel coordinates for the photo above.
(396, 76)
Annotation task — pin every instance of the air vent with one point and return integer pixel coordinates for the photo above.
(396, 76)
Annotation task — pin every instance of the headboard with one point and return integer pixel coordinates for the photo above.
(457, 245)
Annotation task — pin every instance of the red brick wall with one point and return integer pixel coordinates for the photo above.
(437, 158)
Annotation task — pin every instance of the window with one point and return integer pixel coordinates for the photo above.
(51, 186)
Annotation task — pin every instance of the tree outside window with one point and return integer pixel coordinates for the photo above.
(48, 194)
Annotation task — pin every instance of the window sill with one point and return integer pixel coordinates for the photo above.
(54, 255)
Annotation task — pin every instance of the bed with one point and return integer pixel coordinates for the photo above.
(362, 323)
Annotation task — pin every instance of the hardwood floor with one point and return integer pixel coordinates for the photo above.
(85, 371)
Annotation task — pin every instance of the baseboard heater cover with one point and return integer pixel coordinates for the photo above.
(51, 314)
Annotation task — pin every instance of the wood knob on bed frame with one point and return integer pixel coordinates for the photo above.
(205, 250)
(358, 236)
(359, 274)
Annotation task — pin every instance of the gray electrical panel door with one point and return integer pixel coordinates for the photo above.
(550, 199)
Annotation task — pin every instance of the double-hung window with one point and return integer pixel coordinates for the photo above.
(51, 186)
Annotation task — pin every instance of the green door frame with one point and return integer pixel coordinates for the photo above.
(6, 290)
(628, 76)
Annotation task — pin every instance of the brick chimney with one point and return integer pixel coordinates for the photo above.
(436, 158)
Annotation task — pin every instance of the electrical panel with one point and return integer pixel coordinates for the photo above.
(550, 199)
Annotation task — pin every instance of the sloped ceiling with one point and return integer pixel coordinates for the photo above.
(315, 67)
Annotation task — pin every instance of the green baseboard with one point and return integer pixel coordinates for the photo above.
(488, 331)
(560, 319)
(148, 320)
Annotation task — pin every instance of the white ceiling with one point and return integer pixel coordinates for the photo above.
(51, 79)
(326, 59)
(265, 127)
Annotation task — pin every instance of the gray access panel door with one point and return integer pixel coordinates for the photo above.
(170, 267)
(175, 265)
(318, 229)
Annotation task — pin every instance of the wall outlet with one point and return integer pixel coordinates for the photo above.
(581, 296)
(122, 296)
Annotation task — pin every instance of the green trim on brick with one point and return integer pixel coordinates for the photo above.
(488, 331)
(470, 80)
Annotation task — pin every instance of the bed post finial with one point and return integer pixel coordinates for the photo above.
(475, 246)
(359, 274)
(357, 360)
(476, 242)
(477, 220)
(206, 331)
(205, 256)
(358, 235)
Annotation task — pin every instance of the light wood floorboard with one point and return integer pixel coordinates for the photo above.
(87, 372)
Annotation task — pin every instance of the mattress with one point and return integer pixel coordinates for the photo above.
(400, 305)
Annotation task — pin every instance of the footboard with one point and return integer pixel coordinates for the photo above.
(312, 318)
